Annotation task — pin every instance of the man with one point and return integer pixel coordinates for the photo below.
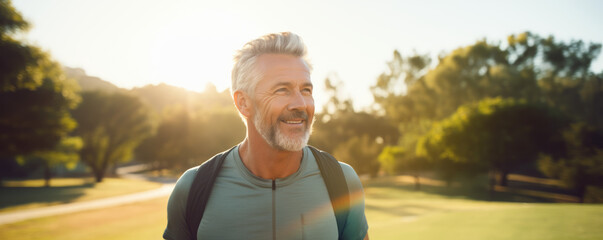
(270, 186)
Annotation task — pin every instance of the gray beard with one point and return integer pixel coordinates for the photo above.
(275, 138)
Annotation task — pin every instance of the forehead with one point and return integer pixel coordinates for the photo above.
(280, 68)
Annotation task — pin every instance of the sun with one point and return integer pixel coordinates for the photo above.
(191, 51)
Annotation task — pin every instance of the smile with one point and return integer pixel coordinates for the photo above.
(293, 121)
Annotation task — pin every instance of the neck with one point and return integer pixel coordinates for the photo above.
(266, 162)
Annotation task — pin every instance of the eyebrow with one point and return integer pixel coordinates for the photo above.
(288, 84)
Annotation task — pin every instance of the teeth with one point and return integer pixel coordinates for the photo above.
(293, 122)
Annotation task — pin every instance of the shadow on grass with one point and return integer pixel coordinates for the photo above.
(14, 196)
(403, 209)
(474, 189)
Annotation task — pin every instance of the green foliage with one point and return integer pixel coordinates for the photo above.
(111, 126)
(191, 132)
(396, 160)
(216, 130)
(494, 134)
(10, 19)
(339, 122)
(361, 153)
(35, 96)
(353, 137)
(392, 159)
(169, 145)
(580, 163)
(66, 153)
(37, 119)
(529, 67)
(405, 77)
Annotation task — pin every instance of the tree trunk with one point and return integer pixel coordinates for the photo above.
(98, 176)
(98, 173)
(491, 182)
(417, 182)
(503, 178)
(581, 189)
(113, 170)
(47, 175)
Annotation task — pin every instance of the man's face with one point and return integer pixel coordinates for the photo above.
(283, 103)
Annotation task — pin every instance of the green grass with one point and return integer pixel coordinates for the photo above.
(394, 211)
(27, 194)
(144, 220)
(397, 213)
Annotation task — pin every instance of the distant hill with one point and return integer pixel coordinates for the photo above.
(89, 83)
(163, 95)
(157, 97)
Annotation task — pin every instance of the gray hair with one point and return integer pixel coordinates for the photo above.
(244, 75)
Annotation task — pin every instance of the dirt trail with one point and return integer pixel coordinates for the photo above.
(164, 190)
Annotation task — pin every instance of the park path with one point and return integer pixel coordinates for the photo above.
(164, 190)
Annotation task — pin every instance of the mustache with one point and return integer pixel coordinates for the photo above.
(297, 114)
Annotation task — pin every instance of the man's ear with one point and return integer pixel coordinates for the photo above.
(243, 103)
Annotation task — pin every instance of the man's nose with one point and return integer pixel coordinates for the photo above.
(298, 101)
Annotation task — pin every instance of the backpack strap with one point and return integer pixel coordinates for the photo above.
(206, 175)
(337, 186)
(200, 190)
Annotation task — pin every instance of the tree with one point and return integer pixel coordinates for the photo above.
(339, 122)
(65, 153)
(396, 159)
(35, 96)
(190, 132)
(429, 148)
(170, 145)
(215, 130)
(353, 137)
(499, 135)
(580, 163)
(111, 126)
(402, 92)
(361, 153)
(529, 67)
(537, 70)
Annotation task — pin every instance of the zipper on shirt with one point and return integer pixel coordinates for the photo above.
(273, 209)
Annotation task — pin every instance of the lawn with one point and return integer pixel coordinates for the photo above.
(19, 195)
(144, 220)
(394, 211)
(398, 213)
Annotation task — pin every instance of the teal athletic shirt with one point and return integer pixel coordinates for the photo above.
(244, 206)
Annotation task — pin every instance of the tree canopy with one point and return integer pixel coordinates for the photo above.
(111, 126)
(527, 67)
(579, 161)
(192, 127)
(520, 82)
(494, 134)
(355, 137)
(35, 95)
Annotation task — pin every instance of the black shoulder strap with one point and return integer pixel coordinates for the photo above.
(336, 184)
(200, 191)
(330, 171)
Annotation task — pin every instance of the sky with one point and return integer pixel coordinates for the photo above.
(191, 43)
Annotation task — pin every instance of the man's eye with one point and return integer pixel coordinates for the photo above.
(307, 90)
(280, 90)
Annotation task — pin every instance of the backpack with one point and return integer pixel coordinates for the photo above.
(330, 170)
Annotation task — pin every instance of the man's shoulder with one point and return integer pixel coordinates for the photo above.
(186, 179)
(351, 176)
(348, 171)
